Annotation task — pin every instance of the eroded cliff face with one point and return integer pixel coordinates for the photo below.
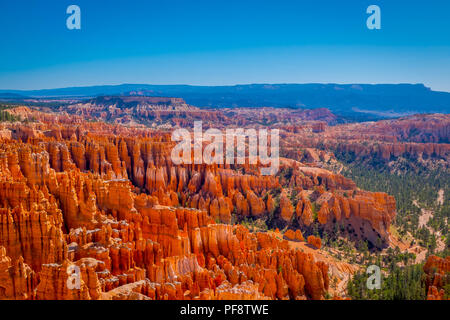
(437, 272)
(107, 201)
(421, 137)
(171, 112)
(17, 279)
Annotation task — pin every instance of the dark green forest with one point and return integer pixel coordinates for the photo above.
(415, 182)
(401, 283)
(5, 115)
(421, 184)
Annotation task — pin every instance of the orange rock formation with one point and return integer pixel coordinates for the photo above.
(99, 211)
(437, 270)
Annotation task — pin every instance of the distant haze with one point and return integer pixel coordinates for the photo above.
(342, 98)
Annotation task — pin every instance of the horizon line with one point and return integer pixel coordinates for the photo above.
(222, 85)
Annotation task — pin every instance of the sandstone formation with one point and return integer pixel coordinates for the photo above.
(423, 137)
(437, 271)
(91, 210)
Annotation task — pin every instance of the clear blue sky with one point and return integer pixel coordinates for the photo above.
(218, 42)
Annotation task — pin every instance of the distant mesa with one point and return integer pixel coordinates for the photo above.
(344, 99)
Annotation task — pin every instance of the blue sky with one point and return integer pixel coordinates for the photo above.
(218, 42)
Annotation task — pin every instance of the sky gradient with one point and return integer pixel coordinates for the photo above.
(218, 42)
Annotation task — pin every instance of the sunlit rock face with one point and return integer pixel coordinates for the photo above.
(436, 270)
(106, 200)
